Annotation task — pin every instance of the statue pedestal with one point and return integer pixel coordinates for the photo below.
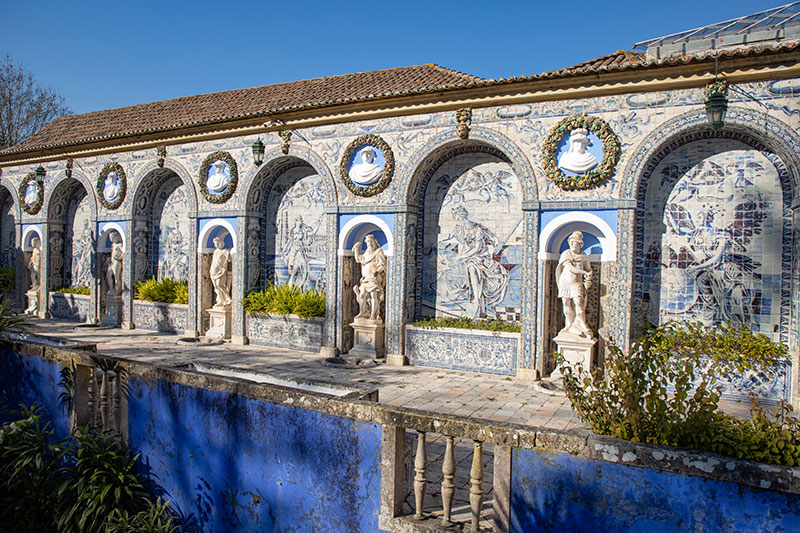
(33, 302)
(112, 306)
(368, 339)
(219, 322)
(575, 350)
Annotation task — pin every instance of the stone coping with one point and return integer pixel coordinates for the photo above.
(577, 442)
(465, 331)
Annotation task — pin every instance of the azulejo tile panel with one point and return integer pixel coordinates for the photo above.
(70, 306)
(167, 318)
(304, 334)
(485, 352)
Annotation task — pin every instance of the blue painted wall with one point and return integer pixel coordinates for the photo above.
(559, 492)
(238, 464)
(29, 380)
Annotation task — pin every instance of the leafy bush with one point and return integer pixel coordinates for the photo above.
(8, 279)
(165, 290)
(633, 400)
(466, 323)
(285, 300)
(77, 289)
(87, 484)
(10, 322)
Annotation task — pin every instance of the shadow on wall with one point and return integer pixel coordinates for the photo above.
(236, 463)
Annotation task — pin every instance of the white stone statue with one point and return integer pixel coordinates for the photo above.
(114, 267)
(35, 262)
(218, 181)
(366, 172)
(218, 272)
(370, 290)
(31, 193)
(576, 158)
(574, 277)
(111, 187)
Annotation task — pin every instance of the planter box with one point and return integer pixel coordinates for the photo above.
(285, 331)
(159, 316)
(487, 352)
(70, 306)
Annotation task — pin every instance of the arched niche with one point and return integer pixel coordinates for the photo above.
(713, 239)
(354, 231)
(598, 232)
(287, 242)
(70, 217)
(162, 228)
(209, 231)
(469, 234)
(30, 233)
(8, 231)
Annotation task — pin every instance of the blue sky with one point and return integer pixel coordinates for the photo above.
(100, 55)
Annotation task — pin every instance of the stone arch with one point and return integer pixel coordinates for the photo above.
(259, 177)
(153, 189)
(437, 150)
(10, 216)
(557, 230)
(751, 127)
(744, 128)
(288, 245)
(430, 185)
(151, 171)
(65, 266)
(355, 229)
(12, 191)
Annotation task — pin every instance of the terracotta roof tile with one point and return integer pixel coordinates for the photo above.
(264, 101)
(242, 103)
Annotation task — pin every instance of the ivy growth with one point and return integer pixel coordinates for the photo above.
(667, 389)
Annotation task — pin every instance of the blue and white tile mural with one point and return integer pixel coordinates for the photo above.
(8, 242)
(79, 238)
(169, 211)
(716, 254)
(472, 240)
(296, 232)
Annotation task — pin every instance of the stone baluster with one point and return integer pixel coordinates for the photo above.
(476, 488)
(419, 478)
(105, 404)
(117, 392)
(92, 403)
(448, 486)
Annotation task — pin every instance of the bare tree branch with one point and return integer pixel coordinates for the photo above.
(25, 106)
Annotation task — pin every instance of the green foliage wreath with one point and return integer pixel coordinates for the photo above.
(36, 206)
(388, 167)
(123, 185)
(207, 162)
(596, 176)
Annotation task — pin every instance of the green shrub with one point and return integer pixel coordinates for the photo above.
(88, 483)
(633, 400)
(165, 290)
(285, 300)
(8, 279)
(77, 289)
(466, 323)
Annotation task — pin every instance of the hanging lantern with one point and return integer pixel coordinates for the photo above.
(716, 103)
(258, 152)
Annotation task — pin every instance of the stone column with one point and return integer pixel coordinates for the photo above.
(238, 283)
(333, 268)
(620, 315)
(128, 278)
(193, 325)
(530, 360)
(396, 294)
(19, 265)
(46, 272)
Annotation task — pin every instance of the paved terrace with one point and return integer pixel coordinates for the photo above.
(480, 396)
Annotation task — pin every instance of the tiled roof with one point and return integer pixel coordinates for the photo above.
(255, 102)
(242, 104)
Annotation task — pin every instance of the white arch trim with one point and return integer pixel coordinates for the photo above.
(212, 225)
(359, 221)
(572, 221)
(105, 230)
(26, 237)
